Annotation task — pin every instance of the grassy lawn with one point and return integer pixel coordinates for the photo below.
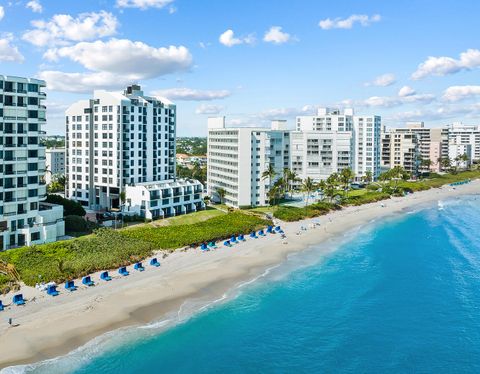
(175, 236)
(189, 219)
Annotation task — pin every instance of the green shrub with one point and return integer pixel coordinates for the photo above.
(369, 197)
(63, 260)
(290, 213)
(216, 228)
(70, 207)
(75, 224)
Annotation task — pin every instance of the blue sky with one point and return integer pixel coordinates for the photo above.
(253, 61)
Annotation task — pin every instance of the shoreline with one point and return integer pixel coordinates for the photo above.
(51, 327)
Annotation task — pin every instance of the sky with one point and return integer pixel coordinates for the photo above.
(250, 60)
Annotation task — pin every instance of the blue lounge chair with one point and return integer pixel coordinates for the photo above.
(278, 228)
(123, 271)
(233, 240)
(70, 285)
(52, 290)
(227, 243)
(139, 266)
(212, 245)
(105, 276)
(204, 247)
(253, 235)
(281, 232)
(261, 233)
(18, 299)
(241, 237)
(154, 262)
(87, 281)
(270, 229)
(1, 306)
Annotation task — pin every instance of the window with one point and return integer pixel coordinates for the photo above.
(35, 236)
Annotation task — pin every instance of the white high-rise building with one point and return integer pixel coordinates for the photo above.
(119, 139)
(461, 134)
(318, 154)
(237, 158)
(55, 163)
(24, 218)
(365, 134)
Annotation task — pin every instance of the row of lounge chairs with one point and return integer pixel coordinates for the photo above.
(241, 238)
(460, 182)
(87, 281)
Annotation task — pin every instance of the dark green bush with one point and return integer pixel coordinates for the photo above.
(75, 224)
(70, 207)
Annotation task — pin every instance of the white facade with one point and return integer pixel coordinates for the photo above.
(237, 158)
(461, 134)
(118, 139)
(458, 150)
(365, 134)
(55, 163)
(164, 199)
(23, 219)
(318, 154)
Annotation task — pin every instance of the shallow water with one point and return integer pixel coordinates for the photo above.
(402, 295)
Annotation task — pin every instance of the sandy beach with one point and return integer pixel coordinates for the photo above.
(52, 326)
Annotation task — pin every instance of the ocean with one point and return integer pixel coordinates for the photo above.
(399, 295)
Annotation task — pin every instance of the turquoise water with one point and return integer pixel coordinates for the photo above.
(402, 295)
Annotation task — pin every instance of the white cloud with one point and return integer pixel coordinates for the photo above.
(35, 6)
(457, 93)
(83, 82)
(134, 60)
(208, 109)
(63, 28)
(382, 80)
(279, 113)
(381, 101)
(276, 35)
(394, 101)
(2, 12)
(441, 66)
(406, 91)
(8, 51)
(228, 39)
(143, 4)
(190, 94)
(348, 23)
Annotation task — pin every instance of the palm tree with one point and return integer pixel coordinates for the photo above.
(330, 189)
(221, 192)
(308, 186)
(396, 174)
(368, 177)
(346, 176)
(269, 174)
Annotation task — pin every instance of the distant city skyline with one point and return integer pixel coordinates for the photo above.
(252, 61)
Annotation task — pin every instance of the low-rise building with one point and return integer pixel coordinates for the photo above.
(163, 199)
